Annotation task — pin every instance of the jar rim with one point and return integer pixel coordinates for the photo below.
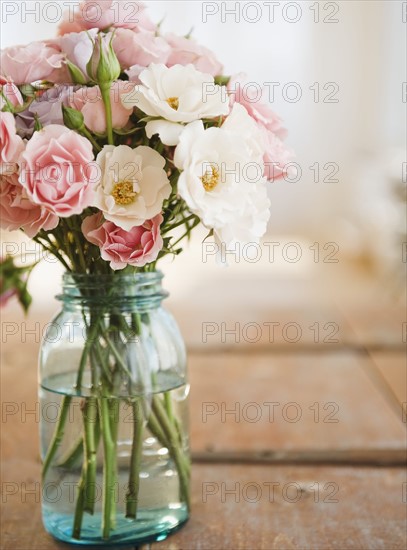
(136, 277)
(112, 289)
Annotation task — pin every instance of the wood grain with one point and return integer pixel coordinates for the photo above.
(289, 402)
(393, 368)
(377, 325)
(358, 455)
(246, 518)
(235, 506)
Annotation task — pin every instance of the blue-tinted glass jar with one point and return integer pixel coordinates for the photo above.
(114, 413)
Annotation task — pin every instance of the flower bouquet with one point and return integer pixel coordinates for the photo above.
(117, 140)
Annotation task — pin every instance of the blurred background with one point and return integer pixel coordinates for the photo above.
(315, 316)
(338, 71)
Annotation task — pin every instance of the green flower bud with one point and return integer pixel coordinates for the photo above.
(76, 74)
(103, 67)
(73, 119)
(222, 80)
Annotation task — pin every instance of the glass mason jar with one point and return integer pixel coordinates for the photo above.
(114, 426)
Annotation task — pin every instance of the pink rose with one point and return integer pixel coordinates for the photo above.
(251, 97)
(141, 48)
(18, 212)
(89, 102)
(78, 47)
(11, 145)
(55, 170)
(70, 25)
(186, 51)
(102, 14)
(136, 247)
(270, 125)
(276, 156)
(9, 92)
(36, 61)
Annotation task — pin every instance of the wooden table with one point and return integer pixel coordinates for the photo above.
(296, 445)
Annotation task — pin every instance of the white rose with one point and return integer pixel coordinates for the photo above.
(222, 177)
(177, 95)
(132, 186)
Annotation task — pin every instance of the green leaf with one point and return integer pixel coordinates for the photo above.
(25, 298)
(124, 132)
(210, 234)
(149, 118)
(15, 278)
(37, 123)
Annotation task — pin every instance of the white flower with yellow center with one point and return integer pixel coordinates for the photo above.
(132, 184)
(222, 177)
(176, 95)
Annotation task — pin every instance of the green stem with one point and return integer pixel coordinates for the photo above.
(168, 406)
(105, 91)
(90, 442)
(132, 495)
(174, 448)
(173, 419)
(155, 429)
(52, 250)
(72, 456)
(79, 249)
(89, 342)
(136, 322)
(108, 466)
(86, 498)
(114, 408)
(58, 434)
(85, 132)
(77, 522)
(103, 364)
(135, 461)
(116, 354)
(181, 222)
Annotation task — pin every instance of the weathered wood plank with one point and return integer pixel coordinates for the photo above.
(289, 402)
(338, 457)
(246, 507)
(393, 368)
(235, 507)
(275, 402)
(377, 325)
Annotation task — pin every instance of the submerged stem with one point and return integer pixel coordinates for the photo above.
(135, 461)
(86, 498)
(58, 434)
(90, 448)
(174, 448)
(108, 466)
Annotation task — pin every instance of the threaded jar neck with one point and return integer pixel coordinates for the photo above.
(126, 292)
